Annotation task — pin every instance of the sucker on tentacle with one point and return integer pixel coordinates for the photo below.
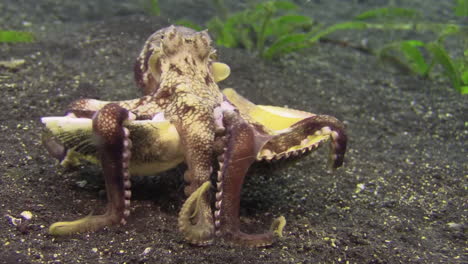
(126, 155)
(219, 195)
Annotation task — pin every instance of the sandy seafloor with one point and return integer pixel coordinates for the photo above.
(400, 197)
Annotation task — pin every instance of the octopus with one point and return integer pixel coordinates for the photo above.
(184, 117)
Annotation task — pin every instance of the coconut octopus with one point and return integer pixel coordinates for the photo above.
(183, 116)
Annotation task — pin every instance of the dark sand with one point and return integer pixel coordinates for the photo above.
(400, 197)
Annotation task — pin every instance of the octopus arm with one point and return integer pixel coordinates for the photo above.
(304, 137)
(243, 144)
(294, 133)
(113, 144)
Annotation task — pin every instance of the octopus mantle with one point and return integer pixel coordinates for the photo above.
(183, 116)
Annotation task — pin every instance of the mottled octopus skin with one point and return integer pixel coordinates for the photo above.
(184, 117)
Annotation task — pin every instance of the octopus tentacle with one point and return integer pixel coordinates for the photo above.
(305, 136)
(242, 147)
(193, 222)
(114, 146)
(197, 229)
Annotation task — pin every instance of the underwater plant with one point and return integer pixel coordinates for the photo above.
(12, 36)
(461, 8)
(422, 57)
(274, 28)
(152, 7)
(267, 28)
(456, 69)
(271, 29)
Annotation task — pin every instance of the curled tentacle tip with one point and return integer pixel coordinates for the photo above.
(335, 161)
(195, 222)
(278, 225)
